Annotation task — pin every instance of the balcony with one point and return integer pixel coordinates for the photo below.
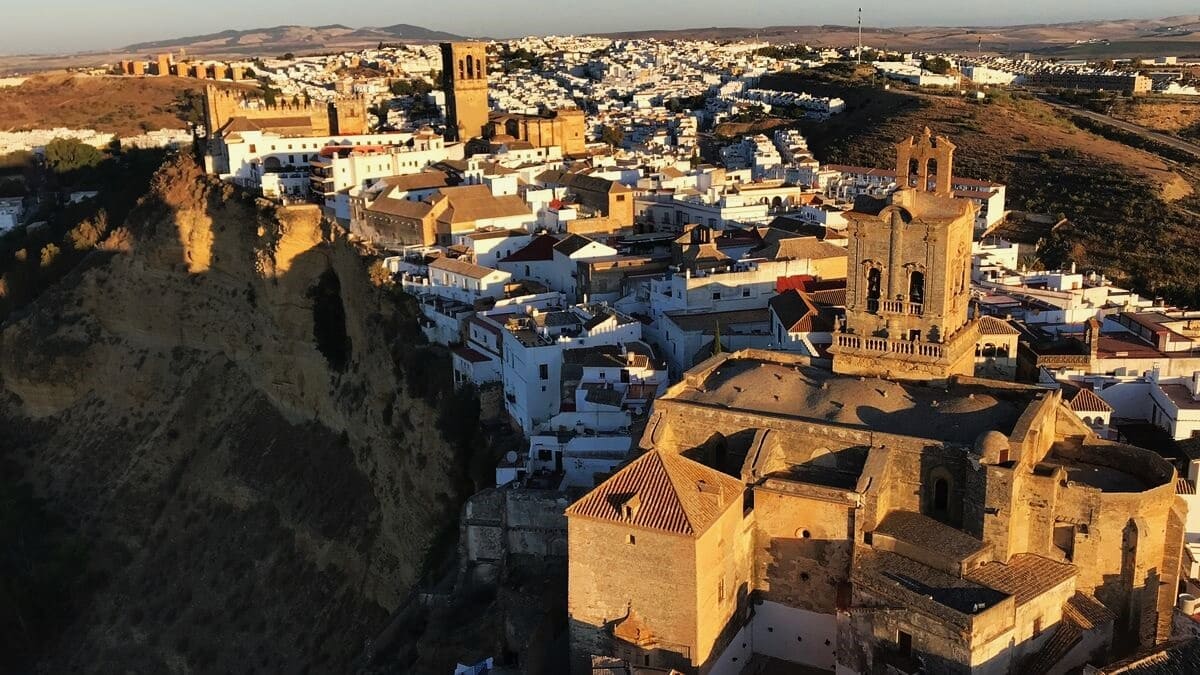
(932, 350)
(875, 306)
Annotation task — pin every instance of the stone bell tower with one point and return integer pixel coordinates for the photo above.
(908, 275)
(464, 80)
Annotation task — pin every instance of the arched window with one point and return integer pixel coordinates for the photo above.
(932, 167)
(776, 203)
(874, 284)
(462, 71)
(916, 287)
(470, 67)
(941, 495)
(914, 172)
(989, 349)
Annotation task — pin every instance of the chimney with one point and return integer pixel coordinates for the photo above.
(1092, 339)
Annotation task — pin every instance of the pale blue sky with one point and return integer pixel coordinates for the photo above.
(79, 25)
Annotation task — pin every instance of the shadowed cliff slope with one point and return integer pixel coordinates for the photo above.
(215, 405)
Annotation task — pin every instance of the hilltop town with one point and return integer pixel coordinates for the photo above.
(707, 400)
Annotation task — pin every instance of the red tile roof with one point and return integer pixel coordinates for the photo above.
(539, 250)
(662, 491)
(470, 354)
(1087, 401)
(990, 325)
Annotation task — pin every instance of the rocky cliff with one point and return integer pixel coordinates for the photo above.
(216, 404)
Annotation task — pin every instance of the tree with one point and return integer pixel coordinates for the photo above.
(68, 154)
(612, 135)
(380, 275)
(936, 65)
(49, 254)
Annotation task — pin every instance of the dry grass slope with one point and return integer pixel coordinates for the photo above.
(125, 106)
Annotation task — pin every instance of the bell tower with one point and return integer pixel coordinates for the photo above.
(908, 278)
(464, 81)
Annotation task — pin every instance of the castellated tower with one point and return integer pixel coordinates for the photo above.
(464, 80)
(908, 277)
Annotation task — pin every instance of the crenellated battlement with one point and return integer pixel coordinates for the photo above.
(346, 115)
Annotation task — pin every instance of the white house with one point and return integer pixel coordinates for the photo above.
(533, 346)
(465, 281)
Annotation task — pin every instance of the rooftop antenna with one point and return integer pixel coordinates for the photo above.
(860, 35)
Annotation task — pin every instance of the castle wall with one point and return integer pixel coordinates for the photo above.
(802, 549)
(608, 576)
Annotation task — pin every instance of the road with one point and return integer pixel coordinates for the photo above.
(1169, 141)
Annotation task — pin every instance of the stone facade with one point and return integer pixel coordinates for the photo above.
(908, 287)
(958, 526)
(464, 79)
(345, 116)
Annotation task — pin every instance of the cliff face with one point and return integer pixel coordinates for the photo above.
(214, 404)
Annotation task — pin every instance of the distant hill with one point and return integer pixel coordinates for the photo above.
(291, 38)
(1130, 34)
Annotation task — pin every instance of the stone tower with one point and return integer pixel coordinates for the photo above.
(464, 80)
(908, 277)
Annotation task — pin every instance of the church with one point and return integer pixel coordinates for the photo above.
(885, 512)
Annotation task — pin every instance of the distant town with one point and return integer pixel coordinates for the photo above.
(775, 414)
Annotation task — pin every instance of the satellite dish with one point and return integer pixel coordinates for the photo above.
(510, 456)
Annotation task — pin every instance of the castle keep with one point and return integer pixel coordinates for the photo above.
(888, 515)
(344, 116)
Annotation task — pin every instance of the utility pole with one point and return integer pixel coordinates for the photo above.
(860, 35)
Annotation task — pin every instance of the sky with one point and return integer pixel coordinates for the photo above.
(61, 26)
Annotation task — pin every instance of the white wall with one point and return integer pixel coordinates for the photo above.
(795, 635)
(781, 632)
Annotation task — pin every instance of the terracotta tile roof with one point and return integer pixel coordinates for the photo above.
(470, 355)
(1184, 486)
(797, 313)
(1086, 612)
(469, 203)
(461, 267)
(540, 249)
(990, 325)
(662, 491)
(1085, 400)
(834, 297)
(424, 180)
(400, 207)
(1177, 657)
(1026, 575)
(923, 531)
(1066, 636)
(571, 243)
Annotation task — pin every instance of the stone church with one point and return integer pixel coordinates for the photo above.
(891, 513)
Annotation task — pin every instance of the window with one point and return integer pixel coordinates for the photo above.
(905, 642)
(620, 198)
(544, 372)
(632, 540)
(745, 292)
(1037, 626)
(716, 295)
(874, 283)
(916, 287)
(941, 495)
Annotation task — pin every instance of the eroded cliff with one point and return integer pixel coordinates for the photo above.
(216, 404)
